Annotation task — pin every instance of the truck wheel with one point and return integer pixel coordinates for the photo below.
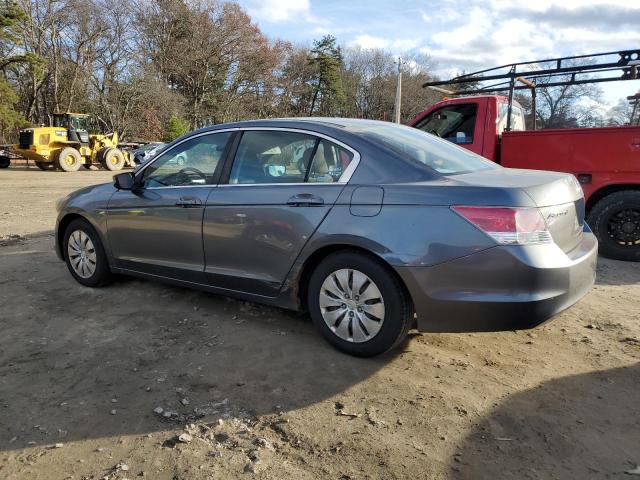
(43, 165)
(4, 162)
(68, 160)
(358, 304)
(113, 159)
(615, 220)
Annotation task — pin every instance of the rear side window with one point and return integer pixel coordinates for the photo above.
(517, 118)
(416, 146)
(329, 162)
(287, 157)
(454, 123)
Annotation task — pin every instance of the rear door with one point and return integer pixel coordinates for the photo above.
(276, 192)
(157, 227)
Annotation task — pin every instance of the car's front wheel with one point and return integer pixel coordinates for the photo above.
(359, 304)
(84, 255)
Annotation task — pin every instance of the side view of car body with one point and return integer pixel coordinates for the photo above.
(372, 227)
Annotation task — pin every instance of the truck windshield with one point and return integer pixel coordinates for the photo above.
(426, 149)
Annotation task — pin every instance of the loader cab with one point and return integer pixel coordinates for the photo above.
(75, 124)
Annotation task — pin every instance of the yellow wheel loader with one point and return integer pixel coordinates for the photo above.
(66, 145)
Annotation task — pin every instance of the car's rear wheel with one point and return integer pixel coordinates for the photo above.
(358, 304)
(615, 220)
(84, 255)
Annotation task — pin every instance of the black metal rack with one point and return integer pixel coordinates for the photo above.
(553, 70)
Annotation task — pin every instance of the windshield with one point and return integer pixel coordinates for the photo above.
(78, 123)
(75, 123)
(424, 148)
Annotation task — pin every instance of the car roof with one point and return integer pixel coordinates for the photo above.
(300, 122)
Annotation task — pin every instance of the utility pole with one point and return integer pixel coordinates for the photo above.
(396, 111)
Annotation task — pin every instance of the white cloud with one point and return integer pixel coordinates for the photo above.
(498, 32)
(279, 10)
(367, 41)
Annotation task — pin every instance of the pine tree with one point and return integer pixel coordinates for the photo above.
(329, 94)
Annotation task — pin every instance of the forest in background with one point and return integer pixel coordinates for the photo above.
(155, 69)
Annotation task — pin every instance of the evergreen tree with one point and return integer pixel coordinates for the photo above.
(176, 128)
(329, 95)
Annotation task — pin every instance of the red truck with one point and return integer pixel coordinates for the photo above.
(606, 161)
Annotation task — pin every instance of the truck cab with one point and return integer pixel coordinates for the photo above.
(475, 123)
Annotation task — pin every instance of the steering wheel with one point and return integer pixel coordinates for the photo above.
(188, 170)
(435, 132)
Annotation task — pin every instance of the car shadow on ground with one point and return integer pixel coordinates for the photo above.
(79, 363)
(617, 272)
(582, 426)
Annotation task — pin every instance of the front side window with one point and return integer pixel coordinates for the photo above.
(193, 162)
(453, 122)
(287, 157)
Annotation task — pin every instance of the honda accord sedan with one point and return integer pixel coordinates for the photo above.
(371, 227)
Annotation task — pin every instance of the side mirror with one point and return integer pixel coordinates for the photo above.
(124, 181)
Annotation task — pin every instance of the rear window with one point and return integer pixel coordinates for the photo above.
(426, 149)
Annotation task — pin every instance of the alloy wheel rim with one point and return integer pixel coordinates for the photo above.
(351, 305)
(82, 254)
(623, 227)
(71, 161)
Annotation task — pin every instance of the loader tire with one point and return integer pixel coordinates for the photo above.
(68, 160)
(113, 160)
(43, 165)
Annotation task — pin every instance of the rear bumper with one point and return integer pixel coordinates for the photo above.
(501, 288)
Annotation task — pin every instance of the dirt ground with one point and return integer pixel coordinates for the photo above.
(146, 380)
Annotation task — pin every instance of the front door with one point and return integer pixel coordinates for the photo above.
(281, 186)
(157, 227)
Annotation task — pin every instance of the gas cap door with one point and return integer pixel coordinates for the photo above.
(366, 201)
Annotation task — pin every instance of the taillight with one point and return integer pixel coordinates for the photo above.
(508, 225)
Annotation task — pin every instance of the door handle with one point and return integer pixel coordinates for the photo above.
(189, 202)
(305, 200)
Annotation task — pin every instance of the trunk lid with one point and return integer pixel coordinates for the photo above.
(558, 196)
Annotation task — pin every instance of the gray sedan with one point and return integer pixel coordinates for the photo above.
(372, 227)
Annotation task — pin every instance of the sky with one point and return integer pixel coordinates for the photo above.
(461, 35)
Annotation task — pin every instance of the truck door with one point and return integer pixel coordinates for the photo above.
(457, 123)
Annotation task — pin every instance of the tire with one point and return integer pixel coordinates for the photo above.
(75, 234)
(68, 160)
(99, 159)
(395, 307)
(615, 220)
(113, 160)
(43, 165)
(4, 161)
